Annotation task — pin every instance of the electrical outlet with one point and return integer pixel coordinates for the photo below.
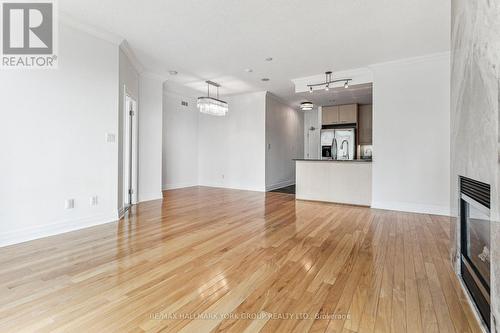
(94, 201)
(69, 204)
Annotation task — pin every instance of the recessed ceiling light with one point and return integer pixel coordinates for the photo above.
(249, 70)
(265, 79)
(172, 72)
(269, 59)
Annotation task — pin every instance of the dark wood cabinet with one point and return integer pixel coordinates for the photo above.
(365, 124)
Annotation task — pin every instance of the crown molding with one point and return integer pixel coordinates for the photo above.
(121, 42)
(413, 60)
(127, 50)
(138, 66)
(72, 22)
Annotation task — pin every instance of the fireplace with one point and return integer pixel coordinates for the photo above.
(475, 242)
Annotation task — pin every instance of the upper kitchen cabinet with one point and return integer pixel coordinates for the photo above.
(365, 124)
(340, 114)
(348, 114)
(330, 115)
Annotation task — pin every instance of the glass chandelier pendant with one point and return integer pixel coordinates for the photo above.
(210, 105)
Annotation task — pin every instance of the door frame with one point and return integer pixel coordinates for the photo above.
(129, 150)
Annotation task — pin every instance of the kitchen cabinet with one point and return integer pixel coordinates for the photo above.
(340, 114)
(348, 114)
(365, 124)
(330, 115)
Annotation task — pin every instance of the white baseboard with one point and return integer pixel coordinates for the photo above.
(150, 196)
(173, 186)
(412, 208)
(280, 185)
(27, 234)
(121, 212)
(233, 187)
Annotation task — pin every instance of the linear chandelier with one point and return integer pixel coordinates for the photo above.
(210, 105)
(328, 81)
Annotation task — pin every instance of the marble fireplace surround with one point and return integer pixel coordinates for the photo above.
(475, 119)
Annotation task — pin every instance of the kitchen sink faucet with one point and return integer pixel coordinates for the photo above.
(346, 154)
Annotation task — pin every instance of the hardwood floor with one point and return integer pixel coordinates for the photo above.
(210, 259)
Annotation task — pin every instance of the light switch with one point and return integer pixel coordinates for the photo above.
(69, 204)
(110, 137)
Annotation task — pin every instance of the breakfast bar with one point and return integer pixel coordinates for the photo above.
(338, 181)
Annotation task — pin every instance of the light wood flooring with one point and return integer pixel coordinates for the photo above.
(209, 259)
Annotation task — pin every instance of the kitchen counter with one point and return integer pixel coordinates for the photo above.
(343, 181)
(330, 160)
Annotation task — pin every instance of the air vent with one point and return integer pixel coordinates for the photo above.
(476, 190)
(184, 103)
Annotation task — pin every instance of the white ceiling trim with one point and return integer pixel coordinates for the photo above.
(112, 38)
(413, 60)
(358, 76)
(125, 47)
(70, 21)
(141, 70)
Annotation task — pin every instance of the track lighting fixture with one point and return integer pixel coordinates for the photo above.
(328, 81)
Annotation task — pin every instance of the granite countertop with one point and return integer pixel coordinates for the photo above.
(330, 160)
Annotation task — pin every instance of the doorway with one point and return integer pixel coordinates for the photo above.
(129, 145)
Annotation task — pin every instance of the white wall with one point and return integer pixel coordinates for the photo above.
(53, 132)
(231, 149)
(150, 137)
(284, 142)
(180, 138)
(411, 135)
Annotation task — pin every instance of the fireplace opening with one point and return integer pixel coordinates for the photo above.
(475, 242)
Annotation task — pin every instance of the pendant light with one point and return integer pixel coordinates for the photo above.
(210, 105)
(306, 106)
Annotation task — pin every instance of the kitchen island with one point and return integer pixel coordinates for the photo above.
(339, 181)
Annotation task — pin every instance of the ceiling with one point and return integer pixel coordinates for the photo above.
(358, 94)
(218, 39)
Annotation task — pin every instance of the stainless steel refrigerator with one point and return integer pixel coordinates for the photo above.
(338, 143)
